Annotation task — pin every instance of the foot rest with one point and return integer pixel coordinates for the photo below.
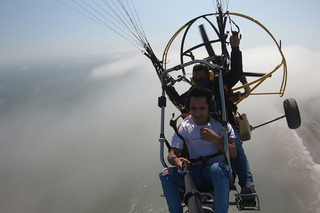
(247, 202)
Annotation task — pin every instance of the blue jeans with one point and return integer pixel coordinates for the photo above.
(241, 164)
(216, 175)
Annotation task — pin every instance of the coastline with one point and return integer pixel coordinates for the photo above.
(309, 132)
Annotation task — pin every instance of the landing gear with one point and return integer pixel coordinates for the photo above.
(292, 113)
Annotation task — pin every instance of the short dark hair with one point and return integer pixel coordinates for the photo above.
(199, 67)
(198, 92)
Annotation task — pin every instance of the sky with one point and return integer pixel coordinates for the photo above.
(35, 30)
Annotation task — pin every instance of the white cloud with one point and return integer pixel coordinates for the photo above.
(303, 73)
(120, 64)
(302, 64)
(54, 152)
(260, 59)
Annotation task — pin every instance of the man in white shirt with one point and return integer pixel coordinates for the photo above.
(203, 137)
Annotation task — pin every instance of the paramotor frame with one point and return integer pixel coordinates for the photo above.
(255, 83)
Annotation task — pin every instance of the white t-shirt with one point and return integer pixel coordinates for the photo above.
(196, 146)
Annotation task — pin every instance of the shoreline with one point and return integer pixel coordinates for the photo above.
(309, 132)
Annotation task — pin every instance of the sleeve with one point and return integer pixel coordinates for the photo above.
(178, 100)
(177, 142)
(173, 95)
(234, 76)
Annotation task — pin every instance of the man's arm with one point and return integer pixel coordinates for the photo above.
(174, 160)
(234, 76)
(211, 136)
(236, 68)
(232, 148)
(174, 95)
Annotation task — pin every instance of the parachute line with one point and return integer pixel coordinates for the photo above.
(221, 4)
(120, 16)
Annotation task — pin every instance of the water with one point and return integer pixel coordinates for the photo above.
(76, 142)
(285, 175)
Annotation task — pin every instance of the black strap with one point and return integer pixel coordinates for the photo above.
(167, 144)
(204, 162)
(173, 124)
(205, 158)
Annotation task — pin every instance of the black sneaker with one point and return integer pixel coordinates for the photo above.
(248, 198)
(247, 189)
(245, 192)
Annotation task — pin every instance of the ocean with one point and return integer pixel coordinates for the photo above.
(75, 140)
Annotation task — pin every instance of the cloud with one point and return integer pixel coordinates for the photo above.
(302, 64)
(87, 139)
(120, 64)
(303, 78)
(303, 73)
(95, 138)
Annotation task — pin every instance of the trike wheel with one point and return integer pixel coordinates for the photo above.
(292, 113)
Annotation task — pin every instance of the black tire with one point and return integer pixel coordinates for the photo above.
(292, 113)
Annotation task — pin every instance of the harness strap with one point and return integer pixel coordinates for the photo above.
(173, 124)
(204, 163)
(167, 144)
(204, 159)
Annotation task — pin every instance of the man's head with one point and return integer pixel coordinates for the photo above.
(200, 74)
(198, 102)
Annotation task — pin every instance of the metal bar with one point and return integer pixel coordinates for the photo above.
(192, 196)
(180, 66)
(254, 74)
(162, 138)
(253, 128)
(224, 118)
